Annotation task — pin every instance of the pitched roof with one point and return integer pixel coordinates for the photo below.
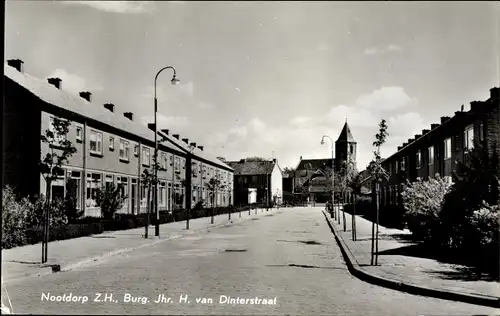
(314, 164)
(246, 167)
(76, 104)
(345, 134)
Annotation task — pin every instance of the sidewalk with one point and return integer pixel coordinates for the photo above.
(21, 262)
(400, 268)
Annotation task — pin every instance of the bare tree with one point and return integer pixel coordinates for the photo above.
(213, 186)
(355, 185)
(378, 174)
(60, 149)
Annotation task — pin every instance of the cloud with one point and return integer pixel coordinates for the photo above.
(187, 88)
(170, 95)
(301, 135)
(73, 83)
(129, 7)
(381, 51)
(386, 99)
(322, 47)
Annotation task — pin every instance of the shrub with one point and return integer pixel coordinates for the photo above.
(422, 201)
(110, 199)
(14, 212)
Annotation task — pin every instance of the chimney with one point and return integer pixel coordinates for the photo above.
(300, 157)
(274, 160)
(165, 131)
(410, 140)
(56, 82)
(16, 63)
(495, 93)
(444, 119)
(86, 95)
(404, 144)
(425, 131)
(151, 126)
(462, 108)
(200, 147)
(433, 126)
(399, 148)
(110, 107)
(129, 115)
(475, 106)
(417, 136)
(221, 159)
(176, 136)
(186, 140)
(459, 113)
(192, 144)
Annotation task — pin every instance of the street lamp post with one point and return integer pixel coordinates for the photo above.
(333, 169)
(174, 81)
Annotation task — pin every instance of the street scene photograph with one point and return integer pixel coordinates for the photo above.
(251, 158)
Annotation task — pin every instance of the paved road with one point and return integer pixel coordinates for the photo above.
(256, 265)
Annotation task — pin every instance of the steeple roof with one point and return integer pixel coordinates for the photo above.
(345, 134)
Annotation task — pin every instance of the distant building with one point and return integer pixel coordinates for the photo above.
(253, 178)
(312, 177)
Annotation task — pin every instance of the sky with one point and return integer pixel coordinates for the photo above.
(267, 79)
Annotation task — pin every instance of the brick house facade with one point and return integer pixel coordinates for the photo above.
(436, 150)
(111, 148)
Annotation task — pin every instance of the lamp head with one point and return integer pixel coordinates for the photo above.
(322, 141)
(174, 80)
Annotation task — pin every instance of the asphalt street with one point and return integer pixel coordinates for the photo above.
(289, 259)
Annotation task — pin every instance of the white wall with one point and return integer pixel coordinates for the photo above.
(277, 182)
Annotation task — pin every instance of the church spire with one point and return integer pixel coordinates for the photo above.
(345, 134)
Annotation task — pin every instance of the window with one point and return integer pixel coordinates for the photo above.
(111, 143)
(419, 159)
(57, 138)
(146, 156)
(124, 150)
(94, 181)
(73, 187)
(171, 160)
(177, 164)
(430, 150)
(447, 148)
(136, 150)
(481, 131)
(403, 164)
(469, 137)
(79, 132)
(163, 161)
(109, 181)
(96, 142)
(124, 188)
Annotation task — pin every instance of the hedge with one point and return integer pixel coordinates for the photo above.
(87, 226)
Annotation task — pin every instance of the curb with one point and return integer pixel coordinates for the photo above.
(361, 274)
(55, 268)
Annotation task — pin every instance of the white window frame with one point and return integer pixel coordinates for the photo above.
(162, 192)
(92, 186)
(79, 134)
(419, 159)
(481, 132)
(469, 137)
(447, 148)
(403, 164)
(95, 136)
(124, 149)
(146, 156)
(136, 150)
(57, 139)
(430, 155)
(177, 163)
(111, 143)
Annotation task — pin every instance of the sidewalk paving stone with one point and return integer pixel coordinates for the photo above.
(22, 262)
(396, 267)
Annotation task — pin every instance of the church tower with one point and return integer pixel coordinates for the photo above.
(345, 147)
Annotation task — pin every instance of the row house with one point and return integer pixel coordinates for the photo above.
(436, 150)
(111, 148)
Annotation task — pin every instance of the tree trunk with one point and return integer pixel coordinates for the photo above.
(354, 218)
(148, 208)
(46, 223)
(343, 212)
(376, 232)
(213, 203)
(373, 234)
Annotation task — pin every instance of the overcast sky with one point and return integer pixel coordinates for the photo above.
(264, 78)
